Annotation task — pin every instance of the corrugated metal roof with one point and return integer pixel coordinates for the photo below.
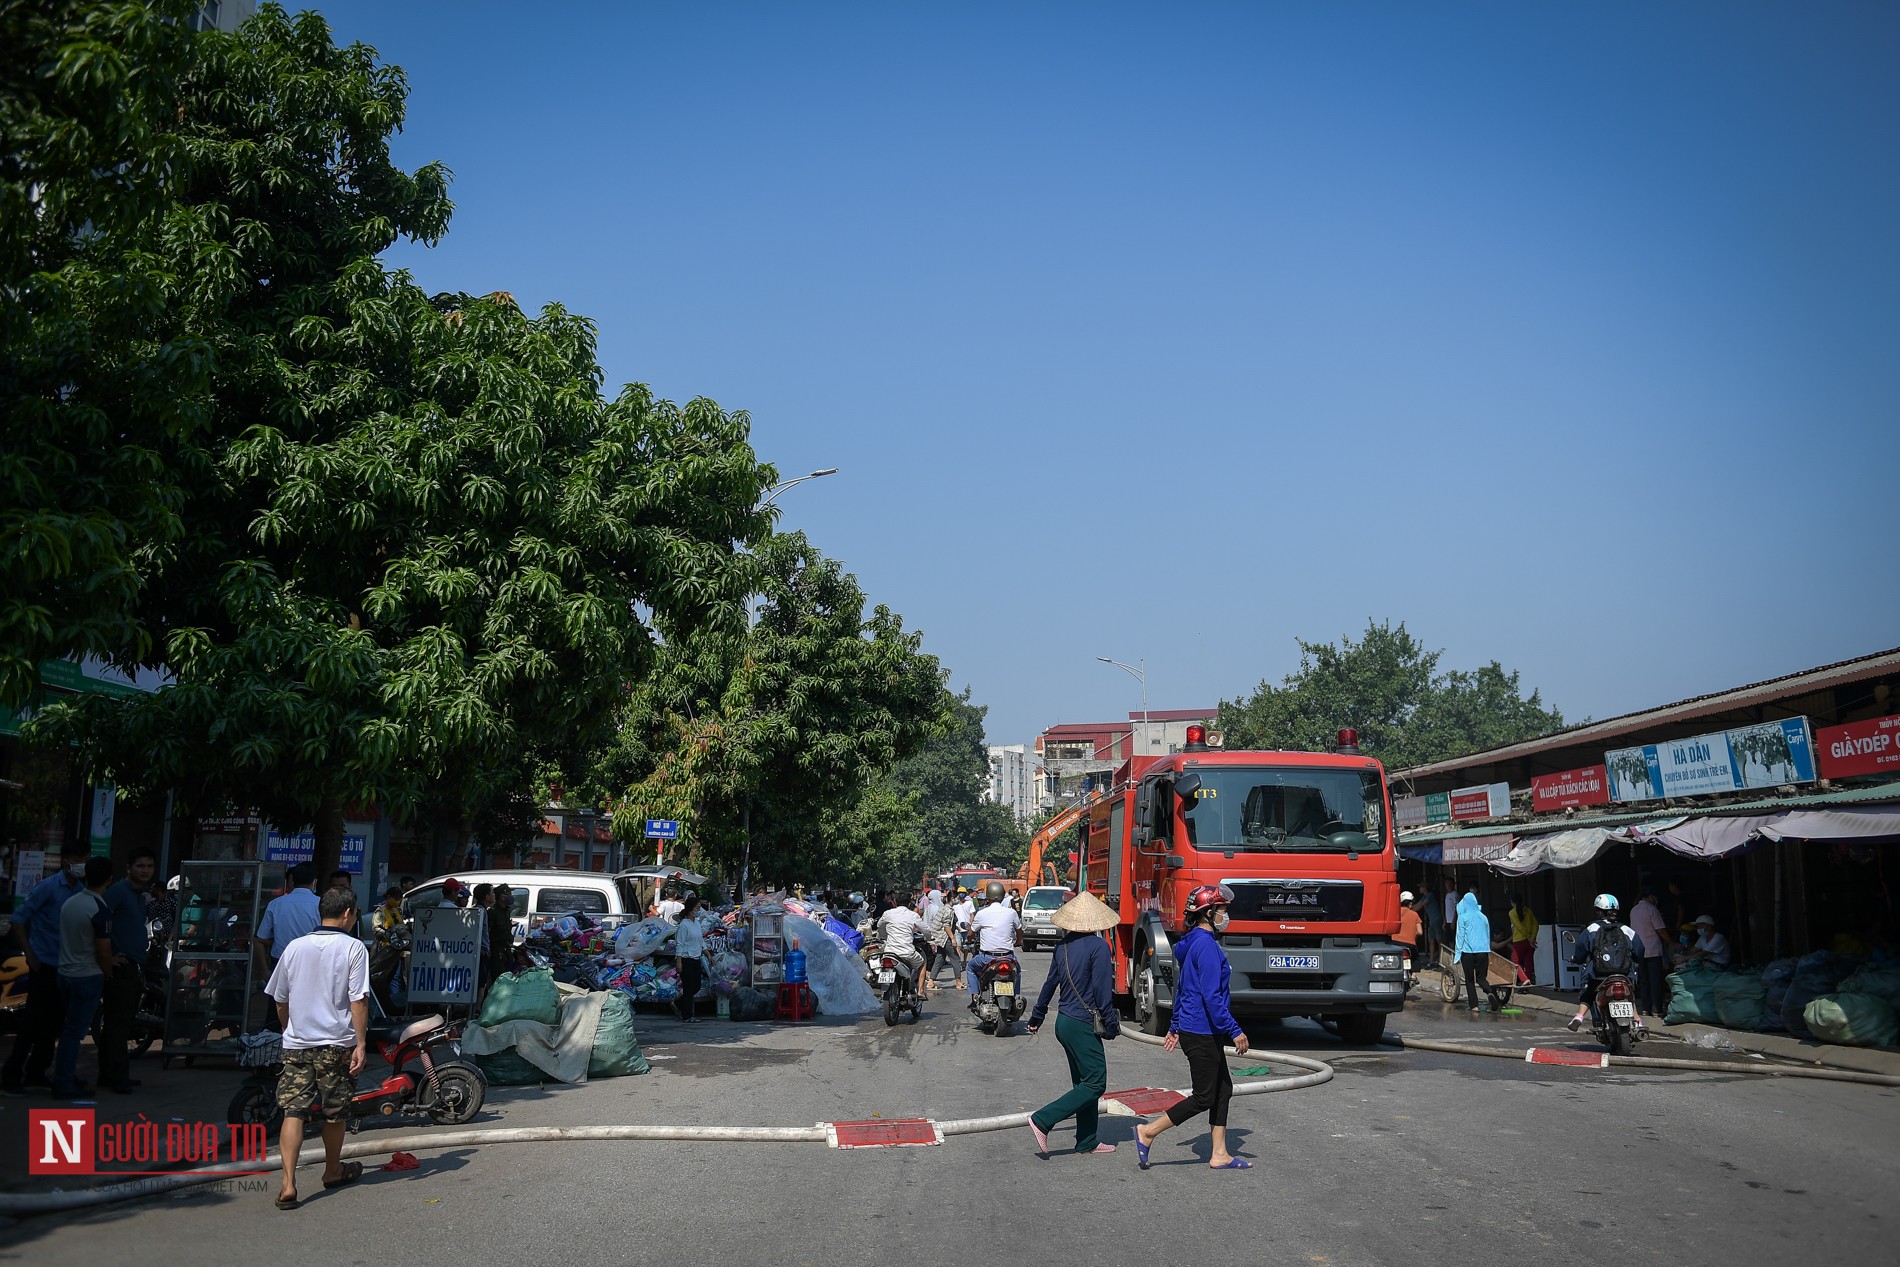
(1889, 791)
(1878, 664)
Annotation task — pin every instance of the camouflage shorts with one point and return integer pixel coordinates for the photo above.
(316, 1076)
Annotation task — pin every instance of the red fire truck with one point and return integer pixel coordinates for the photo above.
(1306, 842)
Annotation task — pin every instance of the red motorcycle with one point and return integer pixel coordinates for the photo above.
(439, 1085)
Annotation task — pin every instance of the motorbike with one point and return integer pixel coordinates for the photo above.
(148, 1023)
(428, 1078)
(13, 979)
(894, 982)
(1613, 1015)
(999, 998)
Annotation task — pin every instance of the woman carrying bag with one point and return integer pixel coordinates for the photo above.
(1080, 965)
(1203, 1020)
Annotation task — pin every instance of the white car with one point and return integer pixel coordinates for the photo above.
(1039, 905)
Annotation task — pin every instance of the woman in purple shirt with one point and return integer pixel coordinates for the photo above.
(1203, 1022)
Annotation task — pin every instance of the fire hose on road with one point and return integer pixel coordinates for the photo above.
(27, 1204)
(1655, 1062)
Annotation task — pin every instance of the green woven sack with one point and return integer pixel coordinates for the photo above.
(1882, 983)
(1741, 1000)
(526, 996)
(1854, 1020)
(616, 1051)
(1692, 997)
(508, 1069)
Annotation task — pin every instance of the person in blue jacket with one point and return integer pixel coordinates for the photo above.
(1472, 942)
(1080, 966)
(1203, 1021)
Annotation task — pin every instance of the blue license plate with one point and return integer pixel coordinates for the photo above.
(1305, 963)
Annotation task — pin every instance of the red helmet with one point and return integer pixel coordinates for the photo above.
(1207, 895)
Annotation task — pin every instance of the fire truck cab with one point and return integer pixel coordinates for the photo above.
(1304, 839)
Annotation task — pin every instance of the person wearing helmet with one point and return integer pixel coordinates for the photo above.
(1202, 1023)
(1607, 928)
(994, 930)
(1411, 925)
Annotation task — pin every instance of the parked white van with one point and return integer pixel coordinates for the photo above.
(549, 893)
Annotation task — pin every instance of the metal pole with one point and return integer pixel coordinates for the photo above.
(1143, 662)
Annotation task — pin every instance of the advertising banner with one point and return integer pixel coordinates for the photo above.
(1571, 789)
(105, 805)
(1438, 807)
(1409, 811)
(1491, 800)
(302, 847)
(445, 955)
(1766, 755)
(1475, 849)
(1861, 747)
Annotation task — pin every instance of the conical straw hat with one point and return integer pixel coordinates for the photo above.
(1084, 913)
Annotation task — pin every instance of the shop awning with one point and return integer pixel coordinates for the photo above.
(1714, 837)
(1433, 853)
(1566, 849)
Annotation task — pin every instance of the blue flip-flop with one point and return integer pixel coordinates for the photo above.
(1141, 1153)
(1234, 1163)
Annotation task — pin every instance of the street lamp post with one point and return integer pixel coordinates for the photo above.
(1140, 675)
(745, 813)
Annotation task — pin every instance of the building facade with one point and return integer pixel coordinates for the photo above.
(1016, 780)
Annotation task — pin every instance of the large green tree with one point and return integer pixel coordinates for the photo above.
(774, 734)
(99, 380)
(1387, 686)
(421, 551)
(956, 821)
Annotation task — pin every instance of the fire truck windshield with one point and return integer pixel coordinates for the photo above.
(1286, 810)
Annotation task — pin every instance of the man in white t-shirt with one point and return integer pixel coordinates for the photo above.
(997, 929)
(1710, 946)
(670, 907)
(321, 985)
(897, 932)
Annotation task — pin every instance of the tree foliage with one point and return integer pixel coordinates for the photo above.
(418, 542)
(779, 731)
(1388, 686)
(99, 381)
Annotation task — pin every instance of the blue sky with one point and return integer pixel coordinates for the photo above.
(1568, 334)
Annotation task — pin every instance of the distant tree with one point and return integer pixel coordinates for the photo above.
(1387, 686)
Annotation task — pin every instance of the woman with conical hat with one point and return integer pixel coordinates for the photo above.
(1081, 968)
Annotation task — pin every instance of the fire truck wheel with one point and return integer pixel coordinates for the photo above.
(1147, 1005)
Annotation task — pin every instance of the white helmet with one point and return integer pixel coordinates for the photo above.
(1606, 901)
(1406, 896)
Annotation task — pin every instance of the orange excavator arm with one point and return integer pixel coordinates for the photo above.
(1032, 868)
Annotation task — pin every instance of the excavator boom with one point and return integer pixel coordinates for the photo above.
(1032, 872)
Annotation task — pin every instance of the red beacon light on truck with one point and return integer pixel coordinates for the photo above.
(1348, 741)
(1196, 739)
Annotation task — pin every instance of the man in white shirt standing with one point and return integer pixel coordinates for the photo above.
(1652, 941)
(670, 907)
(321, 986)
(997, 930)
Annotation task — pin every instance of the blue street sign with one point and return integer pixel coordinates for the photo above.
(663, 829)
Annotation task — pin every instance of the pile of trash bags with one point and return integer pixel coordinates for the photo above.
(534, 1029)
(1692, 996)
(1863, 1012)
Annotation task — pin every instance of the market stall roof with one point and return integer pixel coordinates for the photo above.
(652, 872)
(1876, 792)
(1879, 664)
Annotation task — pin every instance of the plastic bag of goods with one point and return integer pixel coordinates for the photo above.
(1775, 977)
(642, 940)
(728, 972)
(836, 978)
(1882, 983)
(616, 1050)
(1692, 997)
(749, 1004)
(1741, 1000)
(1816, 974)
(1857, 1020)
(522, 996)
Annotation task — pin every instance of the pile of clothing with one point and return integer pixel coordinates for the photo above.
(636, 959)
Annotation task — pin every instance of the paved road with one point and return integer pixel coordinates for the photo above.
(1405, 1156)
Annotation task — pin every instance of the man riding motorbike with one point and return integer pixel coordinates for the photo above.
(1607, 925)
(898, 930)
(995, 930)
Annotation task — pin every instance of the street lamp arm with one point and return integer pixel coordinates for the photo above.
(772, 492)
